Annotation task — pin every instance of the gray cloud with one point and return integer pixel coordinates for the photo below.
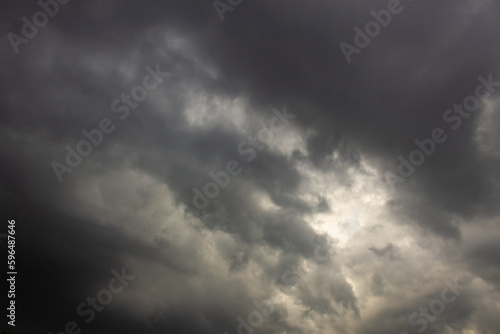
(130, 202)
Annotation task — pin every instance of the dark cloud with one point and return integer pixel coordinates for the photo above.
(129, 203)
(388, 250)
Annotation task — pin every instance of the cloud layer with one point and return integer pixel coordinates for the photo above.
(309, 229)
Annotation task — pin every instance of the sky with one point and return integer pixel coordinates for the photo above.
(240, 167)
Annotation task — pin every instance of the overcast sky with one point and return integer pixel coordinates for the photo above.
(199, 158)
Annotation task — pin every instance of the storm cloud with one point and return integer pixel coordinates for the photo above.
(246, 172)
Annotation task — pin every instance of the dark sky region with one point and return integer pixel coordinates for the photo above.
(239, 166)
